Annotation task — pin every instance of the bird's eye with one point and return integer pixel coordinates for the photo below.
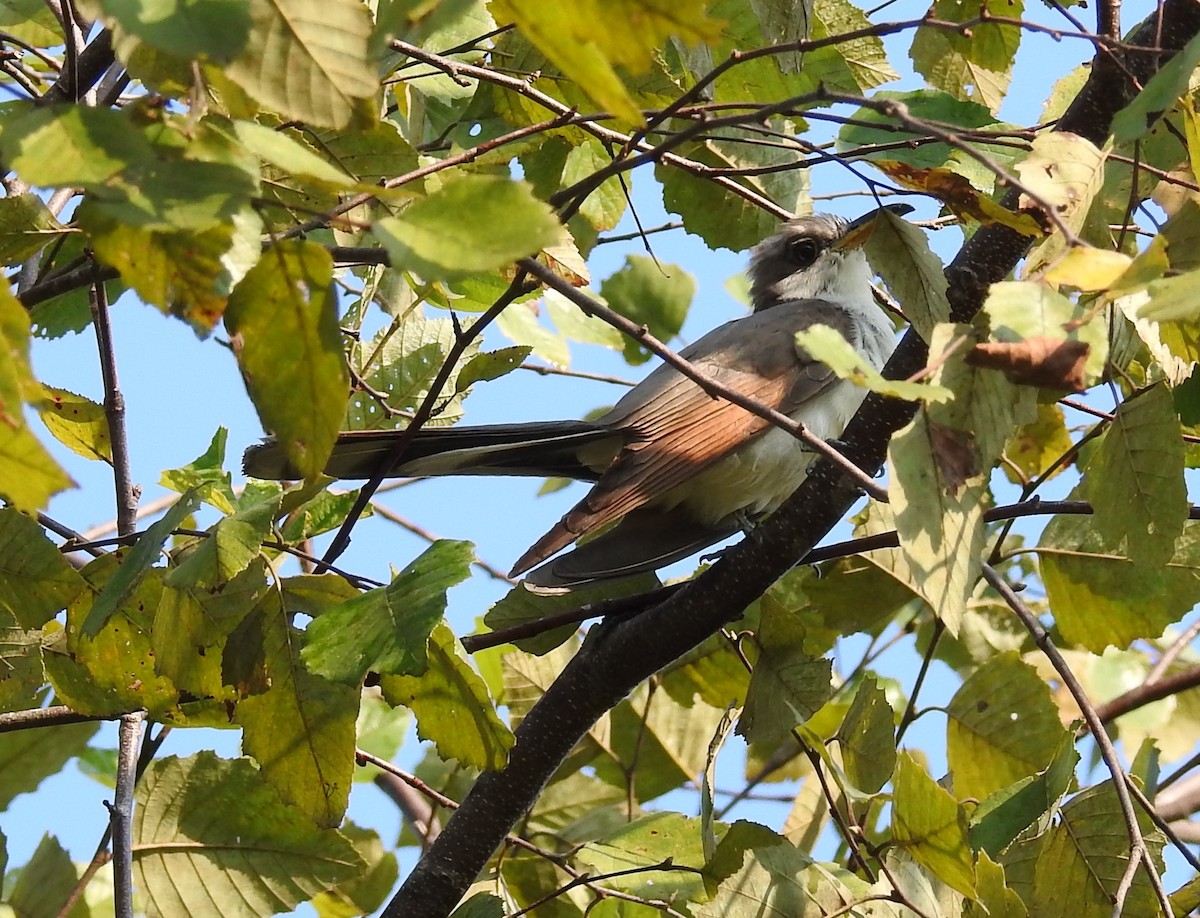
(804, 251)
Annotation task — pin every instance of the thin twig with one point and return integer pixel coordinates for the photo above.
(121, 813)
(1041, 637)
(53, 716)
(114, 411)
(404, 523)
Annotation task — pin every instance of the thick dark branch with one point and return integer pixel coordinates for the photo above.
(616, 657)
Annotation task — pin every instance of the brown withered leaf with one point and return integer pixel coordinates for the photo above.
(1050, 363)
(960, 196)
(954, 453)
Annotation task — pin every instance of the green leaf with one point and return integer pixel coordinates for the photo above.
(480, 905)
(45, 883)
(490, 365)
(1002, 726)
(899, 252)
(864, 60)
(300, 731)
(667, 741)
(114, 671)
(185, 274)
(728, 220)
(1099, 596)
(996, 900)
(667, 839)
(191, 626)
(1007, 813)
(452, 232)
(365, 894)
(29, 476)
(402, 362)
(387, 629)
(140, 558)
(604, 205)
(828, 346)
(26, 227)
(520, 324)
(22, 670)
(283, 316)
(1062, 174)
(868, 738)
(308, 59)
(651, 294)
(73, 145)
(212, 835)
(975, 65)
(31, 21)
(136, 563)
(189, 29)
(1158, 95)
(787, 685)
(774, 881)
(870, 128)
(232, 543)
(521, 605)
(1077, 863)
(708, 785)
(452, 706)
(77, 423)
(929, 824)
(1036, 446)
(588, 40)
(36, 581)
(280, 150)
(28, 757)
(1134, 479)
(940, 464)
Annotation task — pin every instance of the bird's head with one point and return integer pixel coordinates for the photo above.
(816, 257)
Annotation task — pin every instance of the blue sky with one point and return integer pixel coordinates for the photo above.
(179, 390)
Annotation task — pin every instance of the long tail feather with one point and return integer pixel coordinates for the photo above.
(571, 449)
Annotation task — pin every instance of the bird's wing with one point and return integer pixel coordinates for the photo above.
(677, 430)
(644, 540)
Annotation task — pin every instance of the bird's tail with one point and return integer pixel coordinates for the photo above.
(570, 449)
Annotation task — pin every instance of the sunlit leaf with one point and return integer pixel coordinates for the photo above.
(828, 346)
(307, 59)
(386, 629)
(975, 65)
(212, 834)
(284, 324)
(1001, 727)
(654, 295)
(1134, 478)
(300, 731)
(929, 824)
(36, 581)
(451, 233)
(1080, 859)
(452, 706)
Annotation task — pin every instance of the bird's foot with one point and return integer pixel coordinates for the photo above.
(837, 443)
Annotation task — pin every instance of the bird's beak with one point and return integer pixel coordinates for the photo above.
(859, 231)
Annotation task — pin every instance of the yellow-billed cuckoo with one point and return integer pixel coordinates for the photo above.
(674, 467)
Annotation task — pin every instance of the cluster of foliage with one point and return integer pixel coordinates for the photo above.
(333, 182)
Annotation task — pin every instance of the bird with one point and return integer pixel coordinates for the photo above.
(673, 469)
